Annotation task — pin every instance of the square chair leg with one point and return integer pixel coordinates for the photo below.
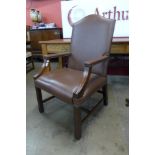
(39, 99)
(77, 123)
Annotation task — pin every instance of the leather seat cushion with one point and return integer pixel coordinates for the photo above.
(62, 83)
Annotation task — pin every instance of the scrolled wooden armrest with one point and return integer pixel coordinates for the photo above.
(95, 61)
(86, 75)
(49, 56)
(45, 67)
(80, 89)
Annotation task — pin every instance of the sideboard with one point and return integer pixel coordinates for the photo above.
(43, 34)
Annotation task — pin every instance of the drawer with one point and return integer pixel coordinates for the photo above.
(120, 49)
(57, 48)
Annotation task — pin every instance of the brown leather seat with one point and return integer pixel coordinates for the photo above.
(87, 68)
(63, 82)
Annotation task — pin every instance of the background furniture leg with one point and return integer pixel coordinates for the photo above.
(127, 102)
(32, 62)
(105, 95)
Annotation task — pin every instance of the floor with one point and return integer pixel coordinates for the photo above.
(106, 132)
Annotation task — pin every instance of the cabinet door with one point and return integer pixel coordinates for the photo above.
(42, 35)
(35, 36)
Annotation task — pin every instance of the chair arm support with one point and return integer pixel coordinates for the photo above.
(96, 61)
(86, 75)
(49, 56)
(45, 68)
(46, 65)
(80, 89)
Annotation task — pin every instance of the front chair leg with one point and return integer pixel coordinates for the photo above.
(105, 95)
(77, 123)
(39, 99)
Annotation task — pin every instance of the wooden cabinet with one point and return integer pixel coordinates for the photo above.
(42, 35)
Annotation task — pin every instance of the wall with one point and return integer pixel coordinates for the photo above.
(50, 10)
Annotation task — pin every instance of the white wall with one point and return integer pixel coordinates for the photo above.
(114, 9)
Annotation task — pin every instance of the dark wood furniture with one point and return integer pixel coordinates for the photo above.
(37, 35)
(29, 60)
(29, 56)
(86, 72)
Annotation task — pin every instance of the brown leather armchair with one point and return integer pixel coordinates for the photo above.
(87, 68)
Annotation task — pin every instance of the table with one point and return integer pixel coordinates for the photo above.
(119, 46)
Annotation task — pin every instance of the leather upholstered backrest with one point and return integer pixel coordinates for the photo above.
(91, 38)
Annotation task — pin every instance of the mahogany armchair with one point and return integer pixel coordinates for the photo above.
(87, 68)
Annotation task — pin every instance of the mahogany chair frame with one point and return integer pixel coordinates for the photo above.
(78, 121)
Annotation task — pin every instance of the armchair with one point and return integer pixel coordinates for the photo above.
(87, 68)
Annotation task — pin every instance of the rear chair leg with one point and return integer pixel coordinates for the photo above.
(77, 123)
(39, 99)
(105, 95)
